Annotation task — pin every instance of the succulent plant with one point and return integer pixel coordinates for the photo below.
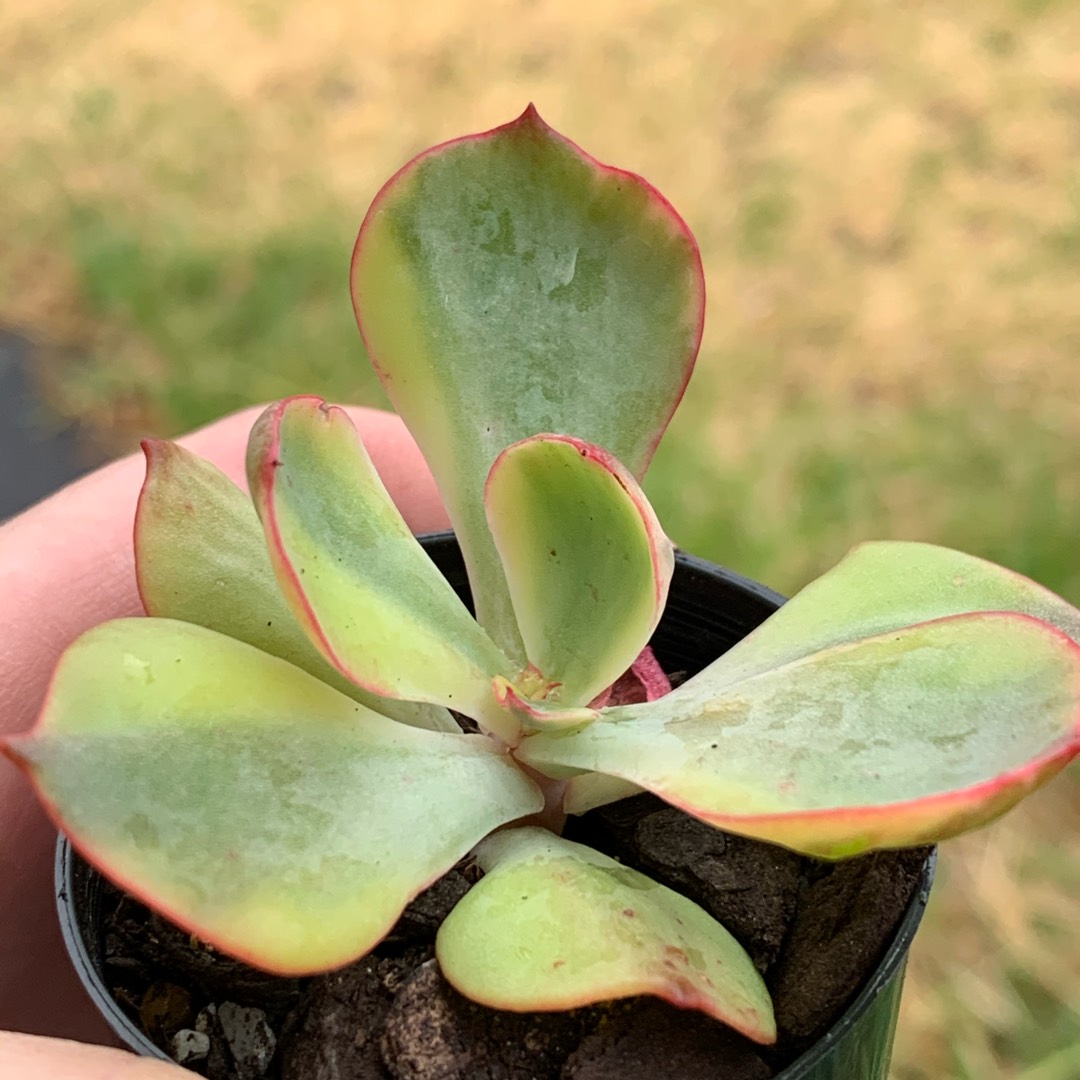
(270, 758)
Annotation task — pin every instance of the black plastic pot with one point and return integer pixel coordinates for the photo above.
(709, 609)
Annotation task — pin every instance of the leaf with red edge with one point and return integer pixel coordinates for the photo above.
(554, 925)
(877, 587)
(586, 561)
(200, 557)
(902, 738)
(355, 577)
(249, 802)
(506, 284)
(886, 585)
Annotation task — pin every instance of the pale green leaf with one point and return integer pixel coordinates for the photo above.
(554, 925)
(251, 803)
(903, 738)
(589, 790)
(507, 284)
(882, 586)
(354, 575)
(586, 561)
(200, 556)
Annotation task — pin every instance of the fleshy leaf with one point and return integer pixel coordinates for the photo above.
(586, 562)
(877, 587)
(249, 802)
(554, 925)
(200, 557)
(514, 248)
(903, 738)
(354, 575)
(882, 586)
(591, 789)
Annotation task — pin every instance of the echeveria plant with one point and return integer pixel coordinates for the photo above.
(270, 759)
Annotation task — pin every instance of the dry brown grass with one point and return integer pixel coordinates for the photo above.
(888, 202)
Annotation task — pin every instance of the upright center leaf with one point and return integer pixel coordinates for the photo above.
(516, 250)
(586, 561)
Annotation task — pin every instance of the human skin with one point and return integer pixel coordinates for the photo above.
(66, 565)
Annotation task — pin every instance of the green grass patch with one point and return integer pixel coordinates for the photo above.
(200, 328)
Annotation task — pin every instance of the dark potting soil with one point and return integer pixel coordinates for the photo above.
(814, 930)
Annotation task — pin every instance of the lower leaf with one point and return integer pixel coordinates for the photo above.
(904, 738)
(554, 925)
(250, 803)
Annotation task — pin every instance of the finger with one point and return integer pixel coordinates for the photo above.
(30, 1057)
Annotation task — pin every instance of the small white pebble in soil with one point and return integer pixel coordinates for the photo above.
(249, 1037)
(189, 1047)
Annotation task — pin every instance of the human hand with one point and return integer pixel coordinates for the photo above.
(66, 565)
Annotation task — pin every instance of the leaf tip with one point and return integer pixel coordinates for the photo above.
(159, 455)
(531, 118)
(264, 442)
(152, 449)
(156, 453)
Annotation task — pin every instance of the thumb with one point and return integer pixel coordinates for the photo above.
(31, 1057)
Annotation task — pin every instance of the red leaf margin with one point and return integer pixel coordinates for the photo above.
(531, 121)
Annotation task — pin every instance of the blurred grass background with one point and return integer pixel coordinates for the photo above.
(887, 197)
